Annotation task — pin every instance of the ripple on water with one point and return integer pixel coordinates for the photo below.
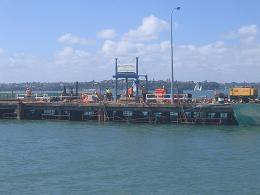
(41, 157)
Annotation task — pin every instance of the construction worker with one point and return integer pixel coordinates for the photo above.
(144, 92)
(28, 92)
(130, 92)
(165, 90)
(108, 94)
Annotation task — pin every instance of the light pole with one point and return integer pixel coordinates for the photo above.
(177, 8)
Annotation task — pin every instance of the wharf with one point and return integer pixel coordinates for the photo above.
(190, 113)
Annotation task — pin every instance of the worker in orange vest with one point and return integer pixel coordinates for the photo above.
(144, 92)
(130, 92)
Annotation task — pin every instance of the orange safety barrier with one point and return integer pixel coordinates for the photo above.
(160, 92)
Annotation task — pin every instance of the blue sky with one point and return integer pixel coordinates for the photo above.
(78, 40)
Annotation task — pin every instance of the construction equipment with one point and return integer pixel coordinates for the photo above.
(243, 94)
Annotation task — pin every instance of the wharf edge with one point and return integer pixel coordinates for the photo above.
(189, 113)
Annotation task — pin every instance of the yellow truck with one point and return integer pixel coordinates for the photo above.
(243, 93)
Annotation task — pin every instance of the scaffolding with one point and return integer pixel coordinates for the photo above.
(128, 72)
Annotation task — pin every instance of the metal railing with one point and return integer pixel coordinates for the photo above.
(166, 97)
(158, 96)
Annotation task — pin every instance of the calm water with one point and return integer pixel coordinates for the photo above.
(91, 158)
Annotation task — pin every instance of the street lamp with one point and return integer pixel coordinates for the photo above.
(177, 8)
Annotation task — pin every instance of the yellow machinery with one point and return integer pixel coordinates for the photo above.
(243, 93)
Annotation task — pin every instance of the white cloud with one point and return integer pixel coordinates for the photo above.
(149, 30)
(71, 39)
(21, 67)
(120, 48)
(216, 61)
(133, 42)
(219, 62)
(108, 47)
(17, 61)
(107, 34)
(1, 51)
(248, 30)
(245, 34)
(74, 64)
(70, 56)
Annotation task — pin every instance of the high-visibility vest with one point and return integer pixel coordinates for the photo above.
(130, 91)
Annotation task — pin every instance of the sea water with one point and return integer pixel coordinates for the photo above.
(43, 157)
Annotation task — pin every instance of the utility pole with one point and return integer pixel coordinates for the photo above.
(172, 99)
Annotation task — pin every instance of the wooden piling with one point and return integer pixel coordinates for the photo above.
(19, 111)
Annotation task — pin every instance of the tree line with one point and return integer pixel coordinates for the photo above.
(102, 85)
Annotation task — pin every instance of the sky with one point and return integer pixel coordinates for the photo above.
(78, 40)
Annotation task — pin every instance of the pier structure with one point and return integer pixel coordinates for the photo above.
(155, 109)
(111, 111)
